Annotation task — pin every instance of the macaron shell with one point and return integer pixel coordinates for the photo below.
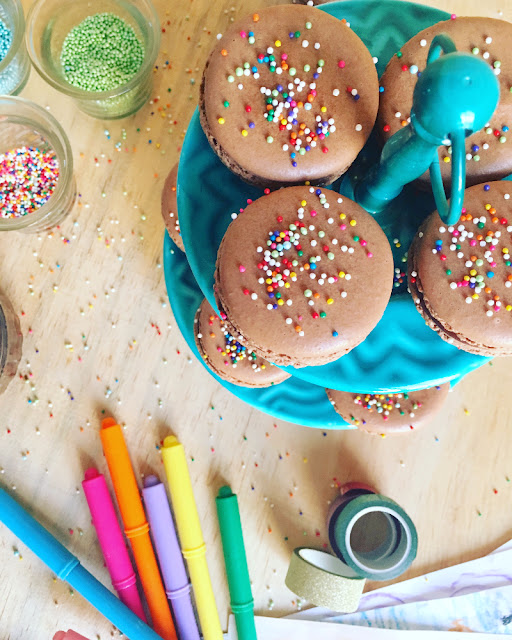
(478, 321)
(444, 331)
(468, 33)
(344, 311)
(211, 342)
(405, 412)
(266, 163)
(170, 207)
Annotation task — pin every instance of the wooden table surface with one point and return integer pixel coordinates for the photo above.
(100, 338)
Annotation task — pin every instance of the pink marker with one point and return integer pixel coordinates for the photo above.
(111, 542)
(68, 635)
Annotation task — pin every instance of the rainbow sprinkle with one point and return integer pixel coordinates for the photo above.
(28, 177)
(384, 405)
(307, 244)
(477, 243)
(290, 106)
(233, 350)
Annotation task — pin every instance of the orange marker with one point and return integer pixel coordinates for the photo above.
(136, 527)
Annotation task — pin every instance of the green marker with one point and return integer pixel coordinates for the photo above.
(242, 603)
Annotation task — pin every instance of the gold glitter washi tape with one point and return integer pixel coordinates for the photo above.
(324, 580)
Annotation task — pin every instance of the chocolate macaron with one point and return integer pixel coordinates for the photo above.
(389, 413)
(460, 276)
(489, 151)
(289, 94)
(170, 207)
(303, 275)
(229, 359)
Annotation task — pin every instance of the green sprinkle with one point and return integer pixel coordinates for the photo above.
(270, 139)
(448, 272)
(503, 139)
(252, 39)
(226, 104)
(476, 158)
(323, 314)
(292, 71)
(231, 78)
(497, 64)
(101, 53)
(297, 34)
(475, 50)
(308, 25)
(239, 71)
(308, 68)
(399, 54)
(321, 63)
(308, 293)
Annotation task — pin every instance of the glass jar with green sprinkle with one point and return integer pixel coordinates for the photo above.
(14, 60)
(11, 340)
(99, 52)
(37, 186)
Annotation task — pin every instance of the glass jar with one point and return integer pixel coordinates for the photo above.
(10, 342)
(50, 21)
(15, 66)
(24, 124)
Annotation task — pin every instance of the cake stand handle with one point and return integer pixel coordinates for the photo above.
(455, 95)
(440, 43)
(450, 215)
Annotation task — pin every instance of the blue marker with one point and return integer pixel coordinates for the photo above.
(67, 567)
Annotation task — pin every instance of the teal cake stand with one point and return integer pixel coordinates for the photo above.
(401, 353)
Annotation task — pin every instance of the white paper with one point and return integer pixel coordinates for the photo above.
(488, 611)
(489, 572)
(286, 629)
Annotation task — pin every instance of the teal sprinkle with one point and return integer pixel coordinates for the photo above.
(101, 53)
(5, 40)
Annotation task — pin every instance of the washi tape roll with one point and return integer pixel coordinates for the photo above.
(348, 492)
(324, 580)
(372, 535)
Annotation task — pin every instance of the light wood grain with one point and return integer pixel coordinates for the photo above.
(99, 336)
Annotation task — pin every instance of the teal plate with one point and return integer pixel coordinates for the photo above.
(401, 353)
(283, 401)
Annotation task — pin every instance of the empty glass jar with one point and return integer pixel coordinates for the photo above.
(10, 342)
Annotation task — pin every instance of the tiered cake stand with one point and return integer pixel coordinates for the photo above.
(401, 353)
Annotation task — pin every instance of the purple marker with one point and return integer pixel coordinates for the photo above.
(169, 555)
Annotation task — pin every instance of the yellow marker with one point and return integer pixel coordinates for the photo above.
(191, 536)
